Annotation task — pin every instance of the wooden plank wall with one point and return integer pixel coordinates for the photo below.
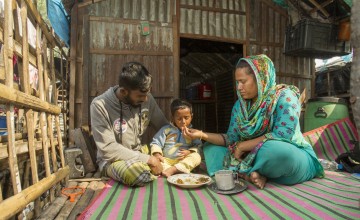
(34, 140)
(267, 26)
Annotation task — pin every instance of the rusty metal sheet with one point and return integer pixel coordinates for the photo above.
(110, 36)
(143, 10)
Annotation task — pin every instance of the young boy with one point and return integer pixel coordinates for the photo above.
(177, 153)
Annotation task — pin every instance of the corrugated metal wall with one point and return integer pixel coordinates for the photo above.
(218, 18)
(266, 34)
(109, 35)
(144, 10)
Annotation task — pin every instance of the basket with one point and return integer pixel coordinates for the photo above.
(314, 39)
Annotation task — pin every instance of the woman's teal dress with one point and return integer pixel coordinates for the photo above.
(284, 156)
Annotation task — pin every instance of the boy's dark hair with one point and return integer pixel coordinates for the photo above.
(134, 76)
(179, 104)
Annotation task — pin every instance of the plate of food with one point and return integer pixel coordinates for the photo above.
(189, 181)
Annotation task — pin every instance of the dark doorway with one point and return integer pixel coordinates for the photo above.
(208, 66)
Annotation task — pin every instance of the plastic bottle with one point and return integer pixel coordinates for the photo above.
(330, 165)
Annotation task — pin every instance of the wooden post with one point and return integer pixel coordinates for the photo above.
(86, 71)
(73, 43)
(176, 49)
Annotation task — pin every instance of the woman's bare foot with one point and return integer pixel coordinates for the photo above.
(170, 171)
(258, 180)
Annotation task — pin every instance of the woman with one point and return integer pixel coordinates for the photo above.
(264, 132)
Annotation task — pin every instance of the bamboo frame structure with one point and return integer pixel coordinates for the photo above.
(40, 141)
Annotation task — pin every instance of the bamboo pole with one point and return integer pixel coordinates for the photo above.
(21, 148)
(40, 22)
(18, 49)
(1, 198)
(16, 28)
(26, 181)
(18, 136)
(32, 154)
(16, 203)
(29, 112)
(45, 72)
(50, 117)
(25, 50)
(52, 144)
(8, 60)
(53, 78)
(43, 125)
(61, 152)
(16, 97)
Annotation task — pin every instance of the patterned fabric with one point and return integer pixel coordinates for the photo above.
(169, 140)
(274, 114)
(251, 121)
(329, 141)
(185, 165)
(131, 172)
(334, 197)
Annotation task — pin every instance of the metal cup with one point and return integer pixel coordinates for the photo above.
(224, 180)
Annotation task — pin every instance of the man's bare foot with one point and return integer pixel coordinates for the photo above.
(258, 180)
(170, 171)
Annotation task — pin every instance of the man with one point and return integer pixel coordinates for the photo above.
(119, 117)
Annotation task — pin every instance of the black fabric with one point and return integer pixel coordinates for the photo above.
(351, 160)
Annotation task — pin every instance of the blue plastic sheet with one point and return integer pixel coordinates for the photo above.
(59, 19)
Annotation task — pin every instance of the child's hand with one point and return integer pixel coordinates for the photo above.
(159, 156)
(183, 153)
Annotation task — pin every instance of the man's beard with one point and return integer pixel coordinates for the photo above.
(129, 101)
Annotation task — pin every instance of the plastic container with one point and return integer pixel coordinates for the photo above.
(344, 31)
(333, 82)
(324, 110)
(310, 38)
(3, 122)
(204, 91)
(330, 165)
(192, 93)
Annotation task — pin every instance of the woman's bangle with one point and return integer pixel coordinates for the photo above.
(201, 135)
